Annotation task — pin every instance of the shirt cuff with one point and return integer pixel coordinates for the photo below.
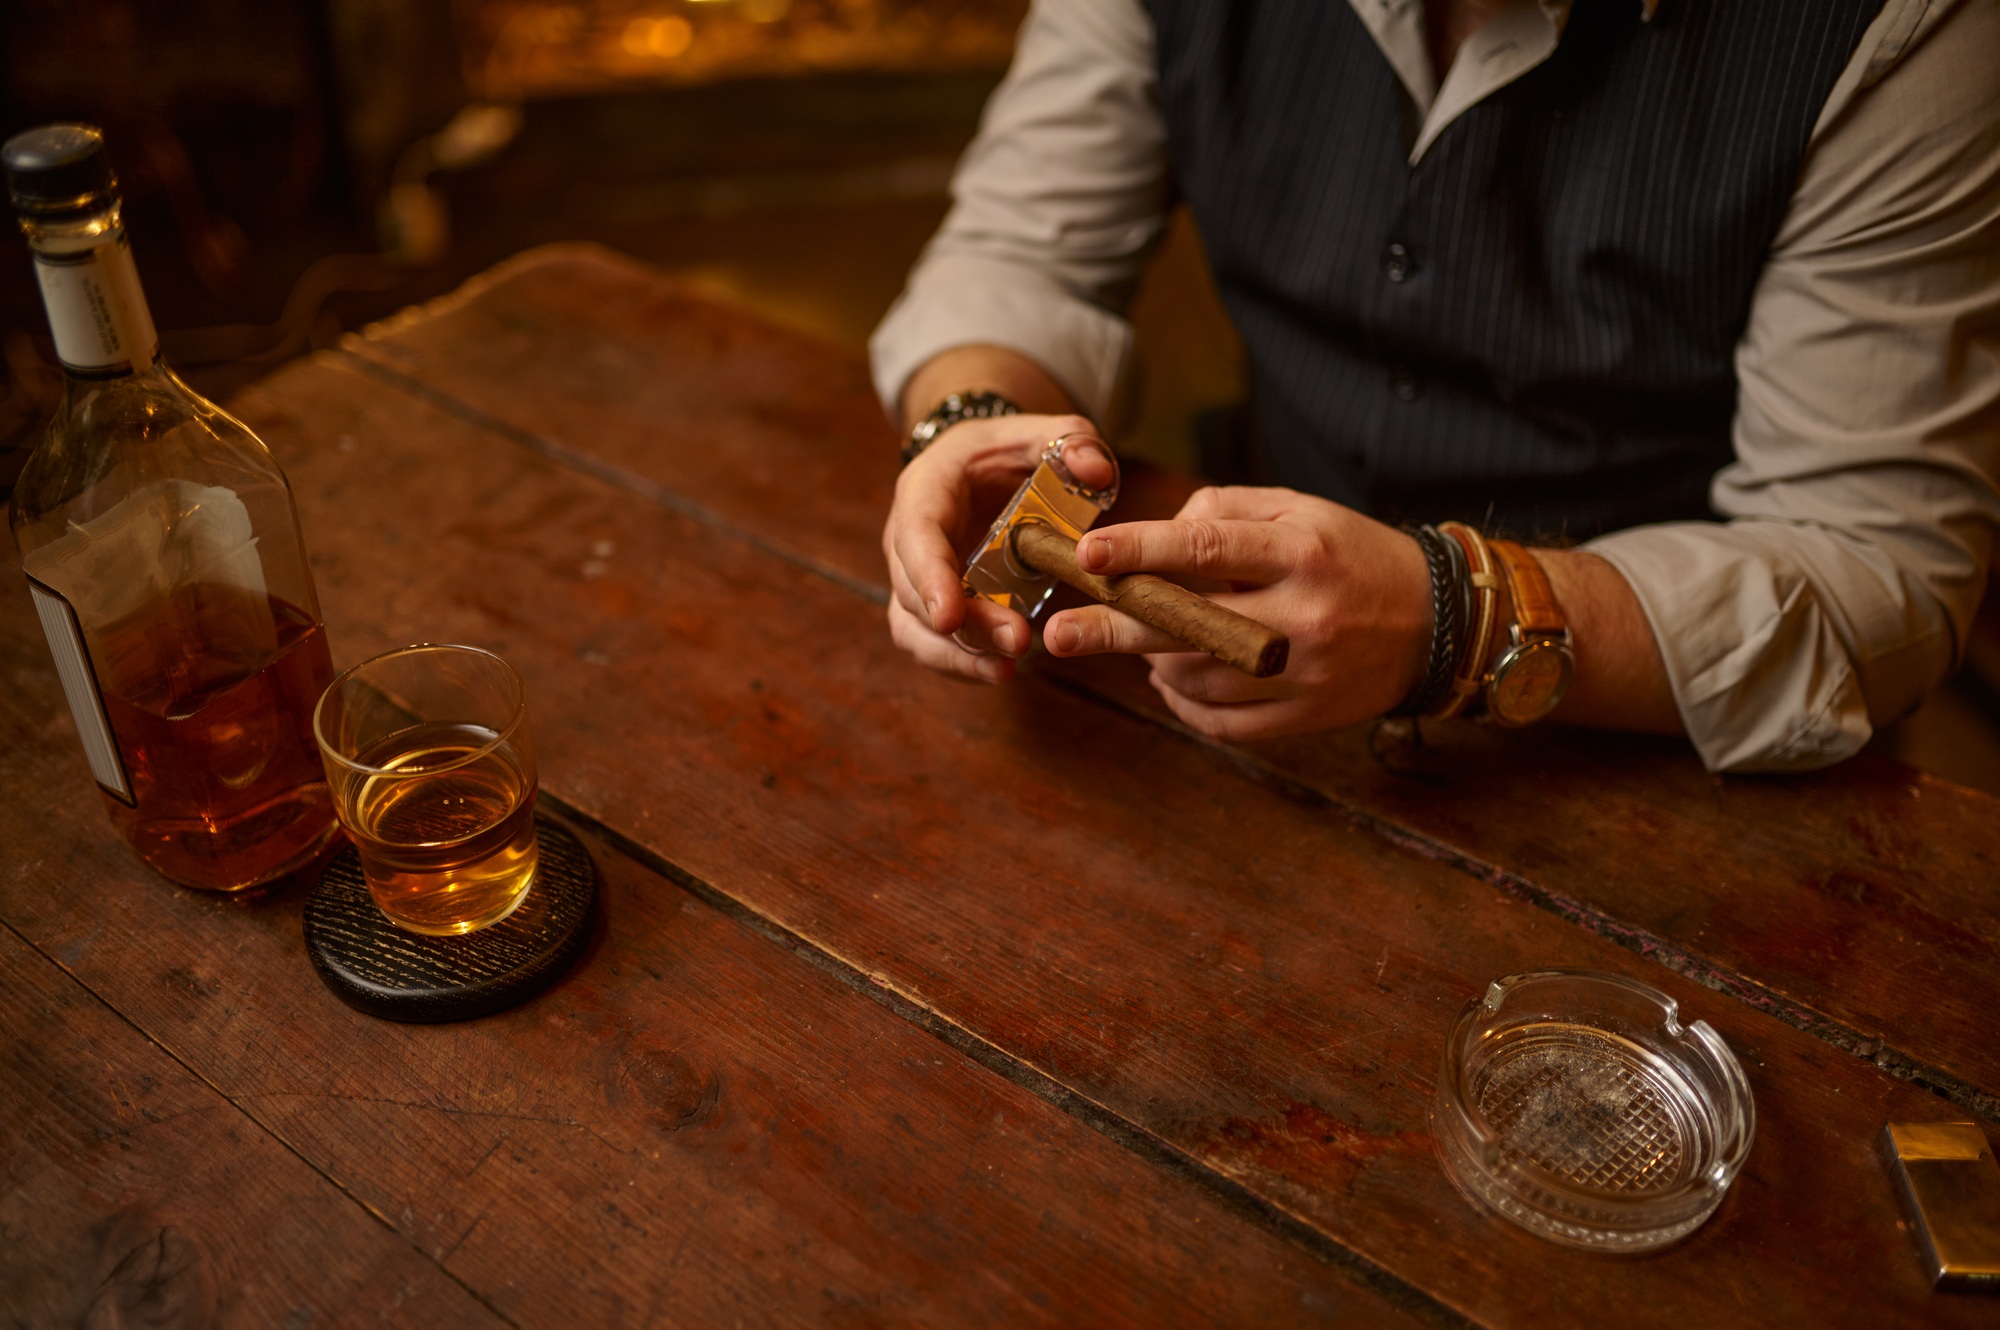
(1759, 674)
(958, 300)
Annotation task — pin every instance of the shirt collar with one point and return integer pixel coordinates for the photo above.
(1558, 11)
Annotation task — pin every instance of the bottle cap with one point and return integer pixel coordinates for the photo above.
(57, 168)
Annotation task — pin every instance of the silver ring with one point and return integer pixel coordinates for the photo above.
(1052, 455)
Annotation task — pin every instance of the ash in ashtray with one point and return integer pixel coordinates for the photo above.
(1575, 1106)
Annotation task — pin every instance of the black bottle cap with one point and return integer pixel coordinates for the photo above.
(57, 169)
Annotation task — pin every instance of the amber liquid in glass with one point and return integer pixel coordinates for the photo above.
(212, 711)
(447, 844)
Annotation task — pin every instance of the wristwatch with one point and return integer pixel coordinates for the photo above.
(1534, 671)
(980, 405)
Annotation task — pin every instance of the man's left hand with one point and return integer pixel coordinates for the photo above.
(1353, 595)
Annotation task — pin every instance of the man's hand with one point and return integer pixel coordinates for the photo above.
(1353, 595)
(945, 501)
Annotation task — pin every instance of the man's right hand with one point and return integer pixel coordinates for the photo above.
(945, 501)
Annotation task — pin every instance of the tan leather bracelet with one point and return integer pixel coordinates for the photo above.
(1469, 675)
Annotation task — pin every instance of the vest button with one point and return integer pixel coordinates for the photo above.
(1397, 265)
(1404, 383)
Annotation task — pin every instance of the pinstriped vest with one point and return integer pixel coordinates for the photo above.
(1536, 321)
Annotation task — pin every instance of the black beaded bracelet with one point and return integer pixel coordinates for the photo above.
(1447, 620)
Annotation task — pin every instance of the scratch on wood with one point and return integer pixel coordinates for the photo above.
(449, 1110)
(477, 1220)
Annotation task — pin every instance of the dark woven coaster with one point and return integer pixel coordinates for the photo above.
(374, 966)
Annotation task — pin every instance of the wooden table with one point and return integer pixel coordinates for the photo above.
(916, 1003)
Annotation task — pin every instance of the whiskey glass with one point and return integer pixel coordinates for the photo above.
(428, 755)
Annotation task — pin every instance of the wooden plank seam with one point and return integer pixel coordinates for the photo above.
(561, 454)
(1874, 1050)
(1106, 1122)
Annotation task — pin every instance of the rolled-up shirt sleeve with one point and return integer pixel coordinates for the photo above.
(1056, 206)
(1862, 500)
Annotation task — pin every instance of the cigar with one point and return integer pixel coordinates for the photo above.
(1203, 625)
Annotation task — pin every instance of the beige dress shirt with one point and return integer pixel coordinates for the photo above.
(1861, 505)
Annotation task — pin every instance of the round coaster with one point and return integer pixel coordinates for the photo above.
(374, 966)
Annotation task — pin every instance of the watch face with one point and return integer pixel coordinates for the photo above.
(1528, 682)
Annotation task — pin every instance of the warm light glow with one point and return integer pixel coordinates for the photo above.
(661, 38)
(524, 50)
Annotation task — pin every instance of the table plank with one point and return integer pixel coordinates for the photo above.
(697, 1127)
(1855, 904)
(747, 415)
(132, 1194)
(1254, 986)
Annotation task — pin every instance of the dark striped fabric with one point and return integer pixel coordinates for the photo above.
(1535, 324)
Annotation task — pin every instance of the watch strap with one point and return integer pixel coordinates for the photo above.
(1536, 613)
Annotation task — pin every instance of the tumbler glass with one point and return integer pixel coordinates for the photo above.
(426, 749)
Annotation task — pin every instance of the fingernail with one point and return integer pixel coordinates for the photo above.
(992, 668)
(1011, 640)
(930, 607)
(1064, 636)
(1093, 555)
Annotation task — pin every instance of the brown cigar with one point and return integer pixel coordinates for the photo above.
(1201, 623)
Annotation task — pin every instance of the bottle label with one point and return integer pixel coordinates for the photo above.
(97, 310)
(79, 682)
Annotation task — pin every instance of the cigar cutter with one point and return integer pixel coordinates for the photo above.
(1051, 494)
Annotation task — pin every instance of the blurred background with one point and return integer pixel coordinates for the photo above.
(294, 169)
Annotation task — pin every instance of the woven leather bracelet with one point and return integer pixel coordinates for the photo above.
(1446, 619)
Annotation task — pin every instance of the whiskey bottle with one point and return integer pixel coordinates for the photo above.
(165, 561)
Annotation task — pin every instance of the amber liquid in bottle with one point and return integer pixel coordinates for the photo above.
(165, 561)
(217, 742)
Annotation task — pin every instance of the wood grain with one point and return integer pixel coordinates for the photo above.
(133, 1195)
(696, 1126)
(742, 413)
(1855, 903)
(1261, 994)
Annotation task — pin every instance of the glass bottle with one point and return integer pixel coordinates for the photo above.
(165, 561)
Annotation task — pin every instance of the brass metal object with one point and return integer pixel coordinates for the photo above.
(1054, 495)
(1951, 1187)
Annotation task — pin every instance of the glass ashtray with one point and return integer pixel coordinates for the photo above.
(1579, 1107)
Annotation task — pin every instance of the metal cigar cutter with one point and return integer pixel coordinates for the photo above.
(1051, 494)
(1951, 1188)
